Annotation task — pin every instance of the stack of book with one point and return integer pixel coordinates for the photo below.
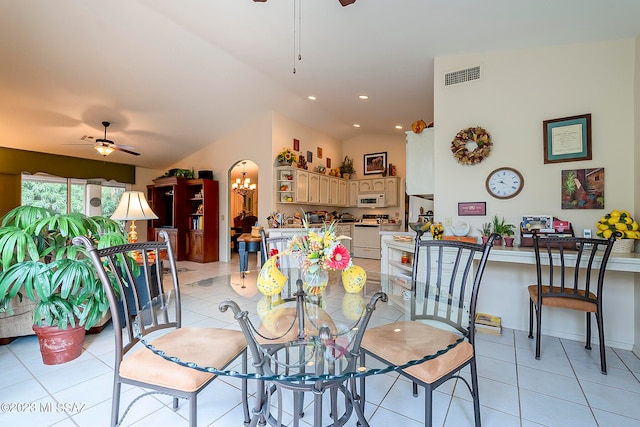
(488, 324)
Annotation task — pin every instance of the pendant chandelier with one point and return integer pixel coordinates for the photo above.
(243, 186)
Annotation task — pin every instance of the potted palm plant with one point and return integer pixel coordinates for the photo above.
(38, 261)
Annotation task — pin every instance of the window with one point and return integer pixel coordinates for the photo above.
(64, 195)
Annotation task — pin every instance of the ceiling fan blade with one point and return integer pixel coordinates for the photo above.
(346, 2)
(124, 150)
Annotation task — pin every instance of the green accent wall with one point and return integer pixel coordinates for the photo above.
(14, 161)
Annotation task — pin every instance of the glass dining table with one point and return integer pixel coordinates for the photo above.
(306, 341)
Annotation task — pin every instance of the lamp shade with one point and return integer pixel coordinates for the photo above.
(133, 205)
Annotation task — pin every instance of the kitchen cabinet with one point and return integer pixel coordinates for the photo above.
(314, 188)
(373, 185)
(323, 190)
(342, 192)
(353, 188)
(419, 154)
(391, 191)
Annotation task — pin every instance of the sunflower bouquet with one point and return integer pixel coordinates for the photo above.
(618, 221)
(287, 156)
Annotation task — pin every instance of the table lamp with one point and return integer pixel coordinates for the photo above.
(133, 205)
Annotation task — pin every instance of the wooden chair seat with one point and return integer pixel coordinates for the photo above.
(403, 341)
(189, 345)
(564, 301)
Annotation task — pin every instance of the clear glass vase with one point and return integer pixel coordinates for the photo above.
(315, 282)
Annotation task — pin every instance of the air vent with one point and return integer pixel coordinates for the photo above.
(462, 76)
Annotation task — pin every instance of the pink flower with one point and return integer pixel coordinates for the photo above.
(340, 258)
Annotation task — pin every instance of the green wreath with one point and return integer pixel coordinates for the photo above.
(471, 145)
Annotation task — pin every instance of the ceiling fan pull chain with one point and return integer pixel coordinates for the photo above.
(299, 31)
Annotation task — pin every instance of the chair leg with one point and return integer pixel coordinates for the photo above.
(363, 379)
(193, 411)
(175, 404)
(603, 358)
(530, 318)
(415, 389)
(115, 403)
(475, 391)
(428, 406)
(538, 330)
(588, 340)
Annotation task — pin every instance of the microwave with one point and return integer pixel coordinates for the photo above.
(371, 200)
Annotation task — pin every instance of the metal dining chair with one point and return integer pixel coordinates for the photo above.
(131, 276)
(446, 292)
(570, 274)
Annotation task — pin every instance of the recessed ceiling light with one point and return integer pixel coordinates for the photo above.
(356, 125)
(398, 126)
(363, 97)
(311, 97)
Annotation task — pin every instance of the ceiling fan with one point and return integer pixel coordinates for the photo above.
(342, 2)
(105, 146)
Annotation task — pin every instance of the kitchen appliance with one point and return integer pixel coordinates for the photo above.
(316, 217)
(371, 200)
(347, 217)
(366, 236)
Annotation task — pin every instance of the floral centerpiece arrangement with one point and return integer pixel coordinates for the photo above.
(618, 221)
(320, 250)
(286, 157)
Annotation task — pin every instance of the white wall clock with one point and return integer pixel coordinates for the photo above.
(504, 183)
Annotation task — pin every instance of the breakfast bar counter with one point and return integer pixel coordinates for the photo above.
(504, 292)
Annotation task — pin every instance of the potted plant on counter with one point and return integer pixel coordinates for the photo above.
(506, 231)
(485, 232)
(38, 261)
(346, 168)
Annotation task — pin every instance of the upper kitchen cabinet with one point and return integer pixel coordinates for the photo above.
(391, 192)
(419, 180)
(353, 190)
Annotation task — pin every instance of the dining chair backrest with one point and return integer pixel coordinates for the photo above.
(446, 279)
(271, 245)
(132, 275)
(571, 267)
(248, 222)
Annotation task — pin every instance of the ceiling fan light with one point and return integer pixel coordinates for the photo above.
(104, 150)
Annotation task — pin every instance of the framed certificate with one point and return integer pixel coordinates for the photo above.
(567, 139)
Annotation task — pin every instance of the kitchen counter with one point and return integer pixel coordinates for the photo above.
(504, 292)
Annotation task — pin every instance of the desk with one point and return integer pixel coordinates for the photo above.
(247, 243)
(312, 350)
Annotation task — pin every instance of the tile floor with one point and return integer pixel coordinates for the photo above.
(564, 388)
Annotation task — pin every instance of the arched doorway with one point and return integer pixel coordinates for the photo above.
(243, 197)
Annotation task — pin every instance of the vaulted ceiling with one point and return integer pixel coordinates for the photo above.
(174, 76)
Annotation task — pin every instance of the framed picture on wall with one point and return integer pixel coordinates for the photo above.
(328, 163)
(375, 163)
(296, 144)
(309, 157)
(567, 139)
(319, 152)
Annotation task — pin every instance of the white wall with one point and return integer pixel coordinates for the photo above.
(517, 92)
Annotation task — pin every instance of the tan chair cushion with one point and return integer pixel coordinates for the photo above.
(208, 347)
(413, 341)
(563, 302)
